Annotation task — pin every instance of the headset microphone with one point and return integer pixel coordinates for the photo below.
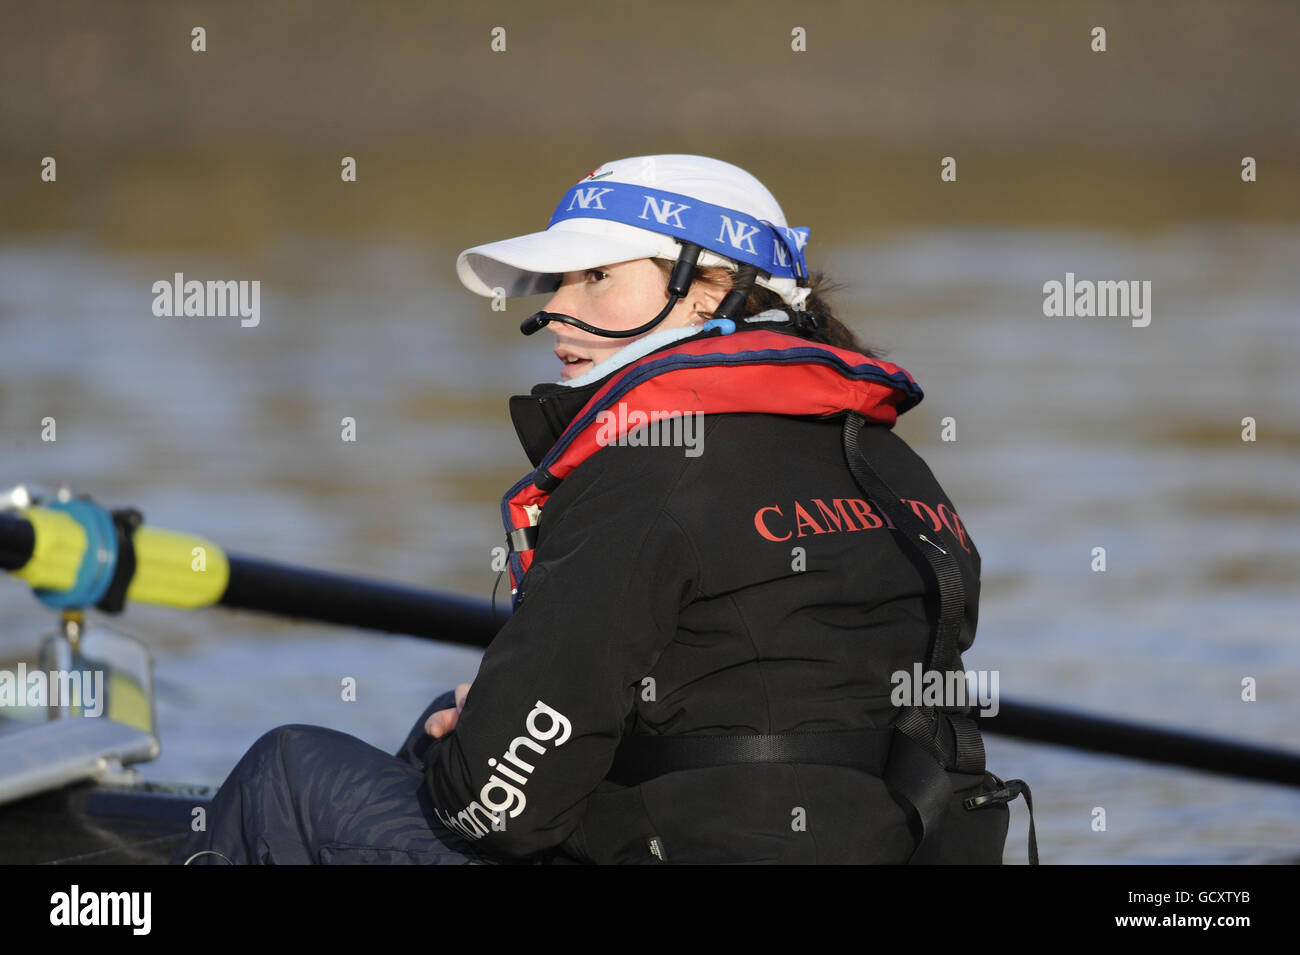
(539, 320)
(679, 284)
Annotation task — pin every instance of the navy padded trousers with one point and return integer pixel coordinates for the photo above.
(306, 795)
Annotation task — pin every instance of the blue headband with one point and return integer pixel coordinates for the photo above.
(777, 250)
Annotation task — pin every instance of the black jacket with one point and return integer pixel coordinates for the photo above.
(750, 589)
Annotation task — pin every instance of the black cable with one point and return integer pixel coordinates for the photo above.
(679, 284)
(735, 300)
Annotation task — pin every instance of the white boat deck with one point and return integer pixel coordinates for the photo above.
(44, 756)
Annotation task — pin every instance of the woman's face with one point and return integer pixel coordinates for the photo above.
(618, 297)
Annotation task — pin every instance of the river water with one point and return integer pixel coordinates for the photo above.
(1071, 434)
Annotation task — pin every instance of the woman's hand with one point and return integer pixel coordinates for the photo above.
(444, 721)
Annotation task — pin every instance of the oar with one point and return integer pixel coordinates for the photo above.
(165, 573)
(40, 545)
(1060, 727)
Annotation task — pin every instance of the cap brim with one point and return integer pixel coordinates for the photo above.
(531, 264)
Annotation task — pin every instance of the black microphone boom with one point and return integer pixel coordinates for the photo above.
(679, 284)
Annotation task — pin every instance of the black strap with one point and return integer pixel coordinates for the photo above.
(125, 522)
(1009, 791)
(952, 590)
(937, 735)
(640, 758)
(912, 757)
(917, 772)
(915, 781)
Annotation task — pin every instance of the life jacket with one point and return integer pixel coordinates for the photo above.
(762, 371)
(753, 370)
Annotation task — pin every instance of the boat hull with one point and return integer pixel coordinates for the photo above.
(100, 824)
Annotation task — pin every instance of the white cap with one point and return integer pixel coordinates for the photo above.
(533, 263)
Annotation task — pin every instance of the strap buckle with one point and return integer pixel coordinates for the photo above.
(996, 798)
(1000, 797)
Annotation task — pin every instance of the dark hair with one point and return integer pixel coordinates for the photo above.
(831, 331)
